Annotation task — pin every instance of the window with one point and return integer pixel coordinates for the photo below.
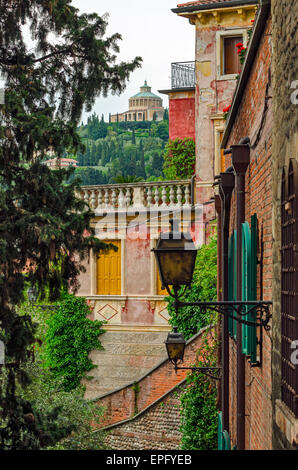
(230, 58)
(289, 285)
(227, 58)
(109, 271)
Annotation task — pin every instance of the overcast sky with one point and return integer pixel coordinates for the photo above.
(151, 30)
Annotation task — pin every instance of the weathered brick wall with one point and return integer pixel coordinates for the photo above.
(254, 119)
(127, 401)
(156, 428)
(285, 145)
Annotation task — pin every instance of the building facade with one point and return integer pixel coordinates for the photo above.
(258, 192)
(144, 106)
(219, 26)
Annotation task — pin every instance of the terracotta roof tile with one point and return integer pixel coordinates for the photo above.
(201, 2)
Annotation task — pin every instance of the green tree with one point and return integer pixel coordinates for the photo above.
(42, 223)
(162, 130)
(179, 159)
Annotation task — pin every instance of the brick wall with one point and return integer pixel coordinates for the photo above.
(127, 401)
(285, 145)
(155, 428)
(254, 120)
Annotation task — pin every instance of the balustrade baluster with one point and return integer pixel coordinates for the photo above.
(187, 195)
(179, 196)
(149, 196)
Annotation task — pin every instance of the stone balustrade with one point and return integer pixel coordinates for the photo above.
(161, 195)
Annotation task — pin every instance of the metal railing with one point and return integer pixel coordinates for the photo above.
(183, 75)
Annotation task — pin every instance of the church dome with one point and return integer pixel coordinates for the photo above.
(146, 92)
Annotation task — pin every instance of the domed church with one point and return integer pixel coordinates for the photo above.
(144, 106)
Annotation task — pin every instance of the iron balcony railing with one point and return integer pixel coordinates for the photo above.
(183, 75)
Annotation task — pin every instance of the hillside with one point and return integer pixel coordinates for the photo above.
(126, 149)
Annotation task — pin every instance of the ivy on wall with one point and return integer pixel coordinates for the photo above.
(69, 339)
(179, 159)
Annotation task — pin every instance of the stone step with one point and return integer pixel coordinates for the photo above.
(139, 337)
(135, 349)
(123, 360)
(127, 356)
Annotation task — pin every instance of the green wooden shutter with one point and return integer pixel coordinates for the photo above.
(235, 282)
(249, 268)
(246, 243)
(223, 442)
(219, 432)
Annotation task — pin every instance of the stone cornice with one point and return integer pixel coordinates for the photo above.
(223, 15)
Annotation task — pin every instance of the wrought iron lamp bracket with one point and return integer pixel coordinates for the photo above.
(236, 310)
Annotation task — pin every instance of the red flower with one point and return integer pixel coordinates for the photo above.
(252, 21)
(240, 44)
(227, 109)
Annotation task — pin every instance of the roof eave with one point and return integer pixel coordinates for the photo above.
(213, 6)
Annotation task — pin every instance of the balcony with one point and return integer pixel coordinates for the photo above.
(183, 75)
(143, 196)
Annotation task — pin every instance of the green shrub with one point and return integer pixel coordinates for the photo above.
(63, 418)
(179, 159)
(69, 339)
(199, 414)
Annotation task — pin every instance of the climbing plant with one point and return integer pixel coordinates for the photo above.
(69, 339)
(179, 159)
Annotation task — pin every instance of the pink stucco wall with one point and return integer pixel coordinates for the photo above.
(212, 96)
(138, 262)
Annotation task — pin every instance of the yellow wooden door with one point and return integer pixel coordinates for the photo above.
(109, 271)
(159, 290)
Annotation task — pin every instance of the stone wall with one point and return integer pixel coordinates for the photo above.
(155, 428)
(285, 145)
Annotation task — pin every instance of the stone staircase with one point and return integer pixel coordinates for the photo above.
(127, 356)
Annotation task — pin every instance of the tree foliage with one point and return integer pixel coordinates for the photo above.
(64, 65)
(180, 157)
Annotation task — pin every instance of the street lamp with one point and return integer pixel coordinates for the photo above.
(175, 344)
(175, 255)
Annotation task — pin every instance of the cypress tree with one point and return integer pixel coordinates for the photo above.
(42, 222)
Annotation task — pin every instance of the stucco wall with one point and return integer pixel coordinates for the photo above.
(182, 116)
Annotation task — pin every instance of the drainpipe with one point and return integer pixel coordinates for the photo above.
(226, 187)
(240, 162)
